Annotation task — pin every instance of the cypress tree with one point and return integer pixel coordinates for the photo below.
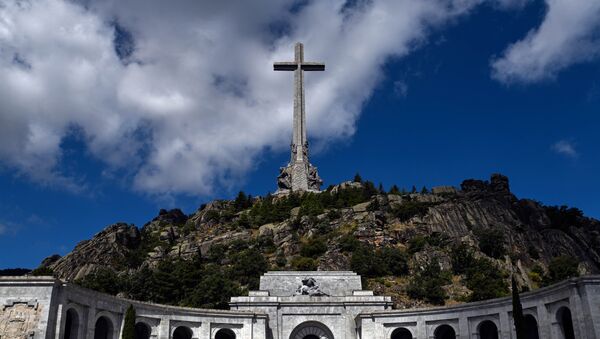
(129, 323)
(517, 310)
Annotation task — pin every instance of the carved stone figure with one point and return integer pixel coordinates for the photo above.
(314, 181)
(309, 287)
(284, 179)
(18, 320)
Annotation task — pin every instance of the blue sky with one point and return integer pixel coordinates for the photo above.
(460, 93)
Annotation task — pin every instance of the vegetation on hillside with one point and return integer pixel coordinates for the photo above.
(416, 265)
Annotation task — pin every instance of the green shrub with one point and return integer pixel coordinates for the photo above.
(485, 280)
(242, 201)
(395, 261)
(491, 242)
(365, 262)
(427, 284)
(313, 248)
(304, 264)
(247, 266)
(348, 243)
(280, 260)
(42, 270)
(333, 214)
(102, 280)
(564, 217)
(416, 244)
(462, 258)
(211, 215)
(214, 290)
(561, 268)
(369, 262)
(410, 209)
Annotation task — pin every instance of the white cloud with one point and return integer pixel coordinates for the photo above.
(568, 35)
(197, 101)
(566, 148)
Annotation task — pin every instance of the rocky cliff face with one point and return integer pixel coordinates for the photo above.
(423, 225)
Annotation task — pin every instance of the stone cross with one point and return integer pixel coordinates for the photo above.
(299, 175)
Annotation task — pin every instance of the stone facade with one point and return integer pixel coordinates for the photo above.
(43, 307)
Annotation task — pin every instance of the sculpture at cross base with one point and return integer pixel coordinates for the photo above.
(299, 174)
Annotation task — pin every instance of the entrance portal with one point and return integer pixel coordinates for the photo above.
(311, 330)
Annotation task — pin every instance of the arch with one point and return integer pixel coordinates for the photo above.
(531, 327)
(104, 328)
(487, 329)
(401, 333)
(311, 330)
(183, 332)
(444, 332)
(142, 330)
(71, 324)
(225, 333)
(565, 321)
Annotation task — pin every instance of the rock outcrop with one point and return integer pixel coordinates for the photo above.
(448, 216)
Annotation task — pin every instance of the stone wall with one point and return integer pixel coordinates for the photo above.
(580, 296)
(48, 306)
(42, 307)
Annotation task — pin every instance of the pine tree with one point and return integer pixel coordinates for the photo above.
(129, 323)
(381, 190)
(357, 178)
(394, 190)
(424, 190)
(414, 189)
(517, 310)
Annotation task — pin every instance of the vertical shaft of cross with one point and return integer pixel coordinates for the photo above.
(299, 136)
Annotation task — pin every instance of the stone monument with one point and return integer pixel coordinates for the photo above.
(299, 174)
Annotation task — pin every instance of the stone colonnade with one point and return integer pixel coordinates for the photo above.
(42, 307)
(568, 310)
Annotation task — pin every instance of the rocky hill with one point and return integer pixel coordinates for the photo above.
(446, 245)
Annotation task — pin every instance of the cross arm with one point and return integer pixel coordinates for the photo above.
(285, 66)
(312, 66)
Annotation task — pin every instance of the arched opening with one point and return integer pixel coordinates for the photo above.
(71, 324)
(444, 332)
(142, 331)
(311, 330)
(104, 328)
(225, 333)
(488, 330)
(563, 316)
(182, 332)
(531, 327)
(401, 333)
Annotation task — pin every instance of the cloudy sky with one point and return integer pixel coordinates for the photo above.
(112, 109)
